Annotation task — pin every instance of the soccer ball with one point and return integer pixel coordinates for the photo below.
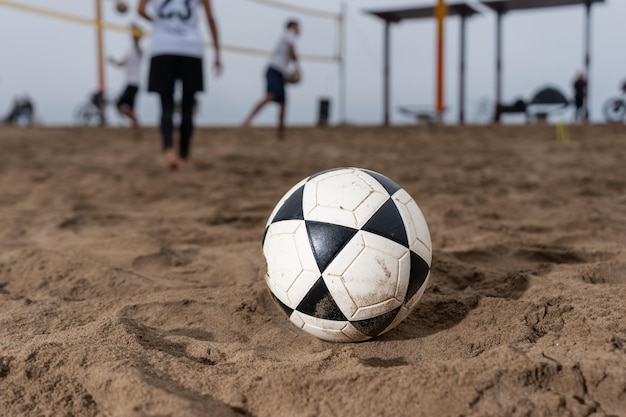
(121, 7)
(348, 254)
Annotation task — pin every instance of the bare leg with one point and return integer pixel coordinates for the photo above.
(257, 108)
(167, 131)
(128, 112)
(186, 128)
(281, 121)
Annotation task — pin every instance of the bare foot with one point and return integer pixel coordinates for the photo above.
(182, 164)
(171, 159)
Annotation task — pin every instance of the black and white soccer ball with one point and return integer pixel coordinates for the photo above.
(348, 254)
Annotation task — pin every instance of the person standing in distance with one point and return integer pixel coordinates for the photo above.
(132, 64)
(580, 92)
(283, 57)
(176, 55)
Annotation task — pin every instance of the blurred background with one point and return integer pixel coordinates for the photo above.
(54, 61)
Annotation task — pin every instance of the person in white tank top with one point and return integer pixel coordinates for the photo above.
(132, 65)
(282, 59)
(177, 51)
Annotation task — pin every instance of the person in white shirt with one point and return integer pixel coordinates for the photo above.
(282, 60)
(177, 52)
(132, 64)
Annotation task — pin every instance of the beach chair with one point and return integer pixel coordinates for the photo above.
(422, 114)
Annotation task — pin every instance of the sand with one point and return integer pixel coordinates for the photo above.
(129, 290)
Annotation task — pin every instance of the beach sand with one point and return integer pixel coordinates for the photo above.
(129, 290)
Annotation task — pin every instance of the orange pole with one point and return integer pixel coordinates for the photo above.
(440, 14)
(100, 45)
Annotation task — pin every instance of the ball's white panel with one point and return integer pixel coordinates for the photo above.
(291, 267)
(354, 335)
(369, 277)
(408, 307)
(332, 331)
(415, 224)
(347, 197)
(376, 309)
(296, 318)
(282, 201)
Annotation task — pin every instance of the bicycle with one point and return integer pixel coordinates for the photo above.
(614, 108)
(93, 112)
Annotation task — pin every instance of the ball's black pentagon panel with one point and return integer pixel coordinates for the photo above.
(291, 208)
(327, 240)
(374, 326)
(282, 305)
(419, 273)
(388, 223)
(387, 184)
(319, 303)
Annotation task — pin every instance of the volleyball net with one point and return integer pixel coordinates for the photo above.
(337, 56)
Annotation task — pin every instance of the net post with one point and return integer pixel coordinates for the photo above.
(342, 62)
(100, 46)
(440, 13)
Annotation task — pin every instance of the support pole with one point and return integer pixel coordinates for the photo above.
(100, 46)
(343, 90)
(441, 15)
(587, 57)
(462, 72)
(386, 74)
(498, 65)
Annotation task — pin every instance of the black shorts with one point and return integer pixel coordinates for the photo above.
(275, 84)
(165, 70)
(127, 98)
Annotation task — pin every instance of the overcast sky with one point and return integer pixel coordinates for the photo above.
(54, 61)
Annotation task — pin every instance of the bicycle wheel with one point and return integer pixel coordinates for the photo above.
(614, 110)
(87, 115)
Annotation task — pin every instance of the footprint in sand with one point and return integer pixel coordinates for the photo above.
(164, 259)
(502, 270)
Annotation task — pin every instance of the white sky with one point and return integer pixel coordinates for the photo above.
(55, 61)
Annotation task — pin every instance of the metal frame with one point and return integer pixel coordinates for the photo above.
(501, 7)
(389, 17)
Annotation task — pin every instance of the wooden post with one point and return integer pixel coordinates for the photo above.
(100, 46)
(386, 72)
(343, 93)
(462, 72)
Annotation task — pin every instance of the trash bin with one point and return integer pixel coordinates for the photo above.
(324, 112)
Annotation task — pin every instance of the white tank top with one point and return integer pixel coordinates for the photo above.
(281, 57)
(175, 29)
(133, 66)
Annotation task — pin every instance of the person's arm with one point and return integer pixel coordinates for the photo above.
(141, 10)
(214, 34)
(292, 48)
(116, 62)
(292, 53)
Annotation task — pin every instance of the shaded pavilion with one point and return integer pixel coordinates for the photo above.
(389, 17)
(502, 7)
